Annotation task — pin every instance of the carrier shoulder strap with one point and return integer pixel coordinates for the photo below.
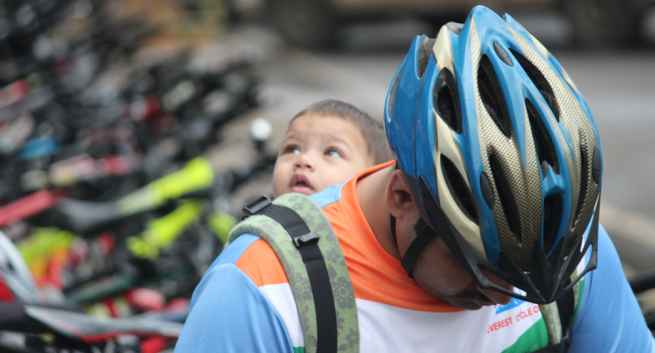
(302, 238)
(558, 317)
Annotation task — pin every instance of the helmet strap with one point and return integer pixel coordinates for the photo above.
(392, 226)
(424, 235)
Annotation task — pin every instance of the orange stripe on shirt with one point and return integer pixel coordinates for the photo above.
(261, 264)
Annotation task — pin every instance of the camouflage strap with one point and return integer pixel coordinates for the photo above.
(281, 242)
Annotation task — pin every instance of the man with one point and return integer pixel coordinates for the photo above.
(494, 196)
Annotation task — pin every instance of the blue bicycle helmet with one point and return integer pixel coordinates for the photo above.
(502, 153)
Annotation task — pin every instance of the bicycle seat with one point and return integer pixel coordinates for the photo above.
(84, 216)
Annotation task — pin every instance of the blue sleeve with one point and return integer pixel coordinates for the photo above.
(609, 320)
(229, 314)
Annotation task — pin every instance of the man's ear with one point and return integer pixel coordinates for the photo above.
(400, 200)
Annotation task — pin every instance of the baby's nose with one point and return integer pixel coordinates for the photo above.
(302, 162)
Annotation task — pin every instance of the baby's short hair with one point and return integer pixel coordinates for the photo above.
(371, 129)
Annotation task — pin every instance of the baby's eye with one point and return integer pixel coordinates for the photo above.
(291, 149)
(334, 152)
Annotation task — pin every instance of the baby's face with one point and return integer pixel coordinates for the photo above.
(319, 151)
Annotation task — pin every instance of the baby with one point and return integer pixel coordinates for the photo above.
(327, 143)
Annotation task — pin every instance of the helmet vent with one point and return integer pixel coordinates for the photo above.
(584, 174)
(543, 143)
(552, 219)
(455, 27)
(424, 55)
(391, 97)
(596, 166)
(539, 81)
(504, 192)
(502, 54)
(487, 192)
(458, 188)
(492, 96)
(445, 100)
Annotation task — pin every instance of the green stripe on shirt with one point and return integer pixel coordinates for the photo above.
(536, 337)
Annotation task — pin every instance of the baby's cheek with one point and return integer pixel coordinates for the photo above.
(280, 179)
(334, 176)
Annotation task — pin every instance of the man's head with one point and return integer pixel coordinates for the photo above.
(327, 143)
(437, 270)
(499, 165)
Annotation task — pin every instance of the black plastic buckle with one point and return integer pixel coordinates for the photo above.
(257, 206)
(305, 239)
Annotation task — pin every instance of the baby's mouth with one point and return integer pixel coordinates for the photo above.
(300, 183)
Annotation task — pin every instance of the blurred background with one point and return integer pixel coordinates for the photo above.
(131, 131)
